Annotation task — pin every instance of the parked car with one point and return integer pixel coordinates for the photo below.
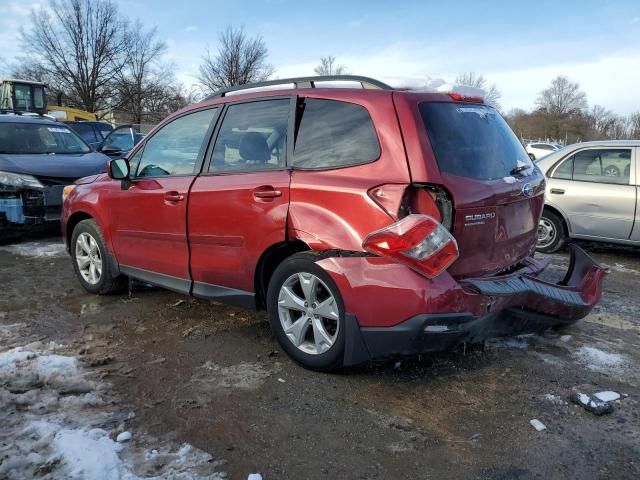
(120, 141)
(539, 150)
(38, 157)
(93, 133)
(591, 194)
(367, 221)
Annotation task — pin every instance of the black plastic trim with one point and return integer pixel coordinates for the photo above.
(181, 285)
(230, 296)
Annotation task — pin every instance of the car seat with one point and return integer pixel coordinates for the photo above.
(254, 148)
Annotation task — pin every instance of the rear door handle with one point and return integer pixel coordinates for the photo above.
(173, 197)
(267, 193)
(557, 191)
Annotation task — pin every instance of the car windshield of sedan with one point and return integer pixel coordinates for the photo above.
(39, 138)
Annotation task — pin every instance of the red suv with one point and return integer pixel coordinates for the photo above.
(367, 221)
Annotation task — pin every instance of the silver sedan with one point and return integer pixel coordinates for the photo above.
(591, 194)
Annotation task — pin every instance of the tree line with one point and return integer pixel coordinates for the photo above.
(92, 56)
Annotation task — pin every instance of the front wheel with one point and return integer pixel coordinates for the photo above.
(91, 261)
(306, 313)
(551, 233)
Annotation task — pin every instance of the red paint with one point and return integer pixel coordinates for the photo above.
(214, 228)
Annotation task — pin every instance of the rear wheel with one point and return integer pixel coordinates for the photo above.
(551, 233)
(91, 259)
(307, 313)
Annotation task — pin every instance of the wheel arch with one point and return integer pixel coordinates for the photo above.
(269, 261)
(73, 220)
(556, 211)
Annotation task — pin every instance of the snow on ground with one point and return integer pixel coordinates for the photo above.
(36, 249)
(59, 422)
(599, 360)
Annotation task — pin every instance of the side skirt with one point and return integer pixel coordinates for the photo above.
(180, 285)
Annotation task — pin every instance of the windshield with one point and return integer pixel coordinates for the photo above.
(38, 138)
(473, 141)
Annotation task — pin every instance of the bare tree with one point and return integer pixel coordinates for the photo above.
(562, 98)
(239, 60)
(491, 93)
(634, 126)
(143, 80)
(328, 66)
(82, 44)
(603, 122)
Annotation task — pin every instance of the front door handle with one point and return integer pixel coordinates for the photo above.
(557, 191)
(173, 197)
(267, 193)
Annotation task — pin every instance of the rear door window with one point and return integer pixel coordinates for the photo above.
(472, 140)
(252, 136)
(597, 165)
(334, 134)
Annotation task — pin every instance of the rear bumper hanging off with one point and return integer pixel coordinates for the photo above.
(519, 303)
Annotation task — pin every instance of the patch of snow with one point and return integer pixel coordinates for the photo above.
(599, 360)
(36, 249)
(58, 423)
(550, 397)
(254, 476)
(509, 179)
(123, 437)
(619, 267)
(565, 338)
(281, 380)
(607, 396)
(538, 425)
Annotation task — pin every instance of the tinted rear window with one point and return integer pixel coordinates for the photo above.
(472, 140)
(334, 134)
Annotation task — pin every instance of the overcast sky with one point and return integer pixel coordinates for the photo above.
(520, 46)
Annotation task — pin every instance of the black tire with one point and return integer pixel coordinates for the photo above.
(333, 358)
(550, 245)
(109, 281)
(532, 157)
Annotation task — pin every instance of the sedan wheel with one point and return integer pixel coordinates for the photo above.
(546, 233)
(308, 313)
(88, 258)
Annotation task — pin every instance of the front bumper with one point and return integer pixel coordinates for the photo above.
(31, 207)
(466, 311)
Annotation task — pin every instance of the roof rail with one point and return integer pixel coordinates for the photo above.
(305, 82)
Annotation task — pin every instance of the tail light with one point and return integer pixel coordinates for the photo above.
(418, 241)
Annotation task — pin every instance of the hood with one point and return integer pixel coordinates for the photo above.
(64, 166)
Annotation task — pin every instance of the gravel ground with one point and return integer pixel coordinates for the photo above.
(200, 373)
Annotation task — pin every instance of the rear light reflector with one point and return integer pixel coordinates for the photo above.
(418, 241)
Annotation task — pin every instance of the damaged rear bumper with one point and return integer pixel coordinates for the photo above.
(516, 303)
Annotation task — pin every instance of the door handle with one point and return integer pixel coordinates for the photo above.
(557, 191)
(173, 197)
(267, 194)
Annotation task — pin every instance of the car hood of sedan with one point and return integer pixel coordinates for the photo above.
(64, 166)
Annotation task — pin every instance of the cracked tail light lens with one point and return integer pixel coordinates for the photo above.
(418, 241)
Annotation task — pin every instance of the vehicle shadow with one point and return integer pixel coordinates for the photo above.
(27, 234)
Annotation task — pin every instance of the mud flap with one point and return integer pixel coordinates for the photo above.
(355, 350)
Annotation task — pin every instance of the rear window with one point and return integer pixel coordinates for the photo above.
(334, 134)
(472, 141)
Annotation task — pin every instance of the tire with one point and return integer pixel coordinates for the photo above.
(551, 233)
(314, 336)
(88, 248)
(532, 157)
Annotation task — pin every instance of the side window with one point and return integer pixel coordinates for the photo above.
(602, 166)
(564, 170)
(334, 134)
(175, 148)
(253, 136)
(86, 132)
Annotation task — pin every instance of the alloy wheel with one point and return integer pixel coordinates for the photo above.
(88, 258)
(308, 313)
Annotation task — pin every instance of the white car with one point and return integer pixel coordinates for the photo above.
(541, 149)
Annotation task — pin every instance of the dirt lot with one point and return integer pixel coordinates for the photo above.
(213, 376)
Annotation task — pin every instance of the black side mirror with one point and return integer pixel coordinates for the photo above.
(119, 169)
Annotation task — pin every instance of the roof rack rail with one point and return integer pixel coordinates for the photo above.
(305, 82)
